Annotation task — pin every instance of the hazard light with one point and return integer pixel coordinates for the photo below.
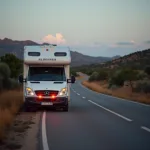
(39, 96)
(53, 96)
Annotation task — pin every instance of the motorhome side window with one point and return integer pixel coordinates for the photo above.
(46, 74)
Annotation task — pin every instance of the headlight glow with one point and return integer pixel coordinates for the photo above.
(63, 92)
(29, 91)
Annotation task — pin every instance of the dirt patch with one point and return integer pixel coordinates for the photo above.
(22, 134)
(122, 92)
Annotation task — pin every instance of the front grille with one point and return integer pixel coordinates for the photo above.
(46, 93)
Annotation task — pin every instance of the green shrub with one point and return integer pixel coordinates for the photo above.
(1, 82)
(102, 75)
(89, 72)
(142, 75)
(147, 70)
(5, 81)
(74, 73)
(13, 83)
(142, 86)
(15, 64)
(122, 75)
(4, 70)
(93, 77)
(116, 78)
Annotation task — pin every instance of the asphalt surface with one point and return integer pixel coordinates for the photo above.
(98, 122)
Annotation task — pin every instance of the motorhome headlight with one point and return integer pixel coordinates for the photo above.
(63, 92)
(29, 91)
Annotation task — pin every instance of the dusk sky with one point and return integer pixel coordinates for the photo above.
(92, 27)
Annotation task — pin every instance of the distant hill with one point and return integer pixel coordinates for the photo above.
(78, 59)
(136, 60)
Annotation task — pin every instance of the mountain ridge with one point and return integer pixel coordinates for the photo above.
(16, 47)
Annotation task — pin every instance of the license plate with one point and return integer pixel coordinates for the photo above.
(46, 103)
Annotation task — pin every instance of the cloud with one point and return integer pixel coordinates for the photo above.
(58, 39)
(132, 42)
(147, 42)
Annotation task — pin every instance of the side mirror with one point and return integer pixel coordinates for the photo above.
(72, 80)
(20, 79)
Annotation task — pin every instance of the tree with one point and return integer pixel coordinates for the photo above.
(130, 75)
(4, 75)
(102, 75)
(147, 70)
(4, 71)
(120, 76)
(14, 64)
(93, 77)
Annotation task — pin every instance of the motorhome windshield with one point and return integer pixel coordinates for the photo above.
(46, 74)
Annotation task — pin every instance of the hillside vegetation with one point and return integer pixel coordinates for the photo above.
(11, 95)
(127, 77)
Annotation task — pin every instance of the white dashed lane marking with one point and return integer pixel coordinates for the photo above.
(125, 118)
(145, 128)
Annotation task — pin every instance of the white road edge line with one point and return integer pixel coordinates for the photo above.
(125, 118)
(83, 97)
(44, 136)
(78, 94)
(130, 101)
(145, 128)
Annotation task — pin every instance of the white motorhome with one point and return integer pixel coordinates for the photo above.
(46, 76)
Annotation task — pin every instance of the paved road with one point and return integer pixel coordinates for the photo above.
(98, 122)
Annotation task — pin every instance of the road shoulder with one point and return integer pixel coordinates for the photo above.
(22, 135)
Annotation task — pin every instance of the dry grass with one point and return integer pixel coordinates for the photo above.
(10, 103)
(123, 92)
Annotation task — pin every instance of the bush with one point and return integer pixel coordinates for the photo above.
(5, 81)
(89, 72)
(122, 75)
(102, 75)
(142, 86)
(13, 84)
(147, 70)
(4, 70)
(1, 82)
(74, 73)
(4, 75)
(142, 75)
(15, 64)
(93, 77)
(116, 79)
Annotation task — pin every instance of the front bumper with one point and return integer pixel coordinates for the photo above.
(58, 101)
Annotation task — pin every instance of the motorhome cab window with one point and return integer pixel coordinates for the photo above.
(46, 74)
